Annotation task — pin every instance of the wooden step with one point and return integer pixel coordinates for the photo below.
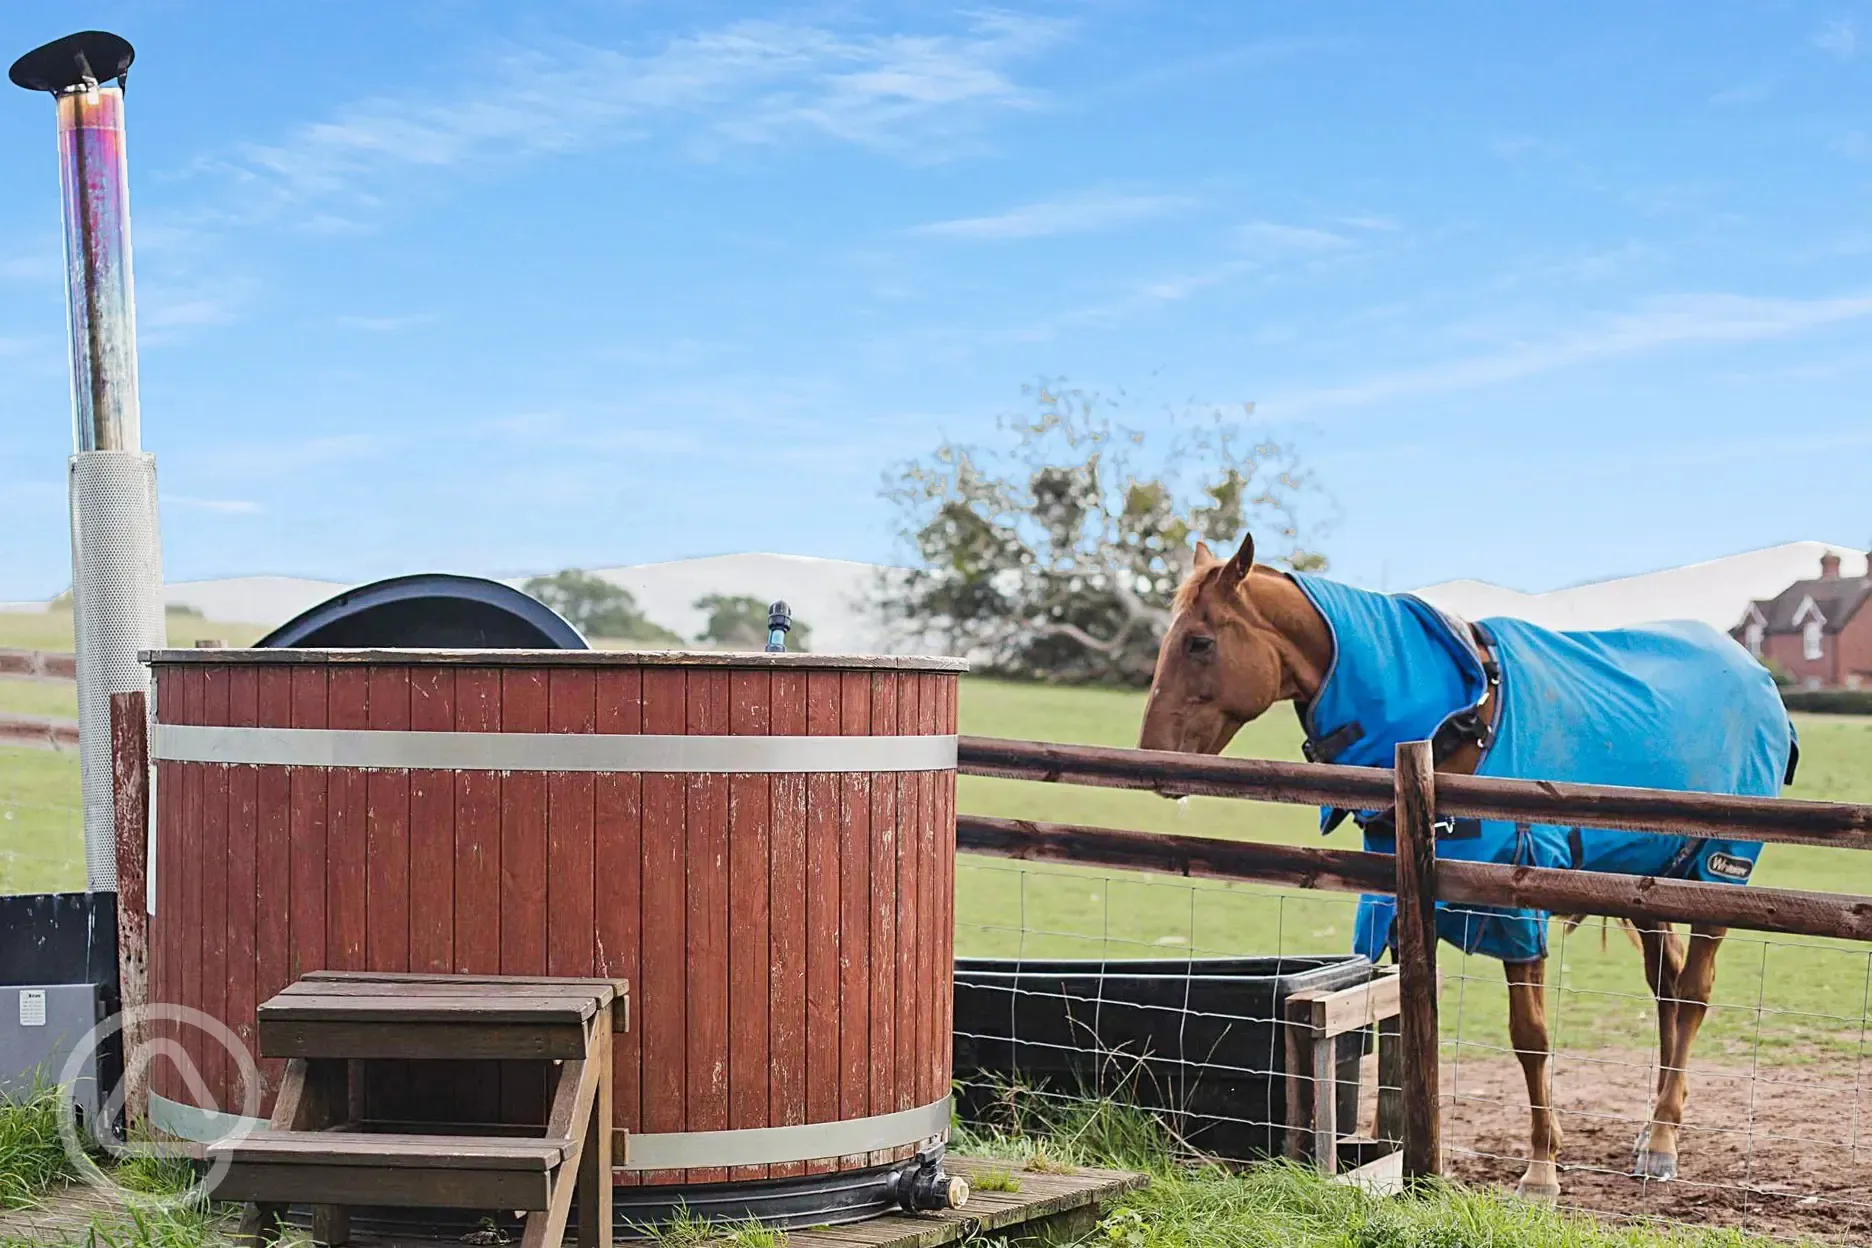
(321, 1148)
(355, 1168)
(545, 1026)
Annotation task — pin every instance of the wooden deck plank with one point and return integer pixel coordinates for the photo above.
(66, 1215)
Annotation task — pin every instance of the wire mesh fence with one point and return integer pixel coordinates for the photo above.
(1777, 1099)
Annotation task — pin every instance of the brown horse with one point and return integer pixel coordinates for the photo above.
(1243, 637)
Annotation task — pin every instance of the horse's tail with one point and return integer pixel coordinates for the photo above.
(1572, 921)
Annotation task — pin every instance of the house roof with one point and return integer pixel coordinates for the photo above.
(1836, 598)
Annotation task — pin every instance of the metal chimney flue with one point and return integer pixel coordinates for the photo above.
(117, 606)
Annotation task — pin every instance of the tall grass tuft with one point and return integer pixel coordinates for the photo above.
(32, 1156)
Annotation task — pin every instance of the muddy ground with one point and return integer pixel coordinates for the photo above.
(1783, 1149)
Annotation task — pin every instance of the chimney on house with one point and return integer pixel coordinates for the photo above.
(1829, 566)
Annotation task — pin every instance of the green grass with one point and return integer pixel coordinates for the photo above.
(34, 1164)
(1283, 1206)
(52, 630)
(996, 1180)
(48, 699)
(32, 1156)
(1278, 1205)
(41, 825)
(690, 1230)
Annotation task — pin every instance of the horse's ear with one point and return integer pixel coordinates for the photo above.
(1241, 562)
(1204, 556)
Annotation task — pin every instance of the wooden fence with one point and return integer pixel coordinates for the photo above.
(1414, 875)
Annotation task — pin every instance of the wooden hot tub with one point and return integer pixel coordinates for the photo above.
(762, 845)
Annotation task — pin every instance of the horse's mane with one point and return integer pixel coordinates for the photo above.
(1193, 585)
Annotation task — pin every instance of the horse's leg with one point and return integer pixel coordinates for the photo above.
(1663, 964)
(1657, 1147)
(1527, 1028)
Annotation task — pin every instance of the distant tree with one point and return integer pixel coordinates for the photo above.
(1054, 555)
(598, 608)
(738, 622)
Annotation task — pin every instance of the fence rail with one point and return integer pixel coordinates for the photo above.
(1769, 819)
(1415, 875)
(39, 664)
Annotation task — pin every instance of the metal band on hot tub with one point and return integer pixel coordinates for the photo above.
(544, 751)
(675, 1150)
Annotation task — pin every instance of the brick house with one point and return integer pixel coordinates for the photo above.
(1818, 631)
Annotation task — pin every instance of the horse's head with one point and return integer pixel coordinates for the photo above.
(1240, 639)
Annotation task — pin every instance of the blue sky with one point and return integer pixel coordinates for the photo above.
(1543, 293)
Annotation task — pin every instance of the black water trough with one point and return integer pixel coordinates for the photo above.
(1195, 1040)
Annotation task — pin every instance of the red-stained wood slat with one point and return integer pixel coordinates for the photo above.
(308, 830)
(787, 884)
(432, 830)
(942, 1054)
(397, 1088)
(525, 707)
(707, 828)
(884, 994)
(478, 914)
(617, 893)
(386, 831)
(750, 873)
(212, 868)
(242, 886)
(855, 913)
(572, 707)
(192, 843)
(347, 890)
(273, 864)
(169, 867)
(824, 948)
(911, 990)
(662, 998)
(929, 946)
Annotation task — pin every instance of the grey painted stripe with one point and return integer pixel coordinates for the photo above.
(757, 1146)
(542, 751)
(204, 1126)
(754, 1146)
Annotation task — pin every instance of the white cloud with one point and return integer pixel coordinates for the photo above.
(387, 324)
(1678, 321)
(223, 506)
(1838, 37)
(1088, 213)
(1271, 236)
(1853, 145)
(748, 83)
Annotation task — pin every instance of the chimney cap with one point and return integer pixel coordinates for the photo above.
(1829, 565)
(88, 56)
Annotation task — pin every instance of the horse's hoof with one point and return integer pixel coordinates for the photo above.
(1547, 1193)
(1659, 1166)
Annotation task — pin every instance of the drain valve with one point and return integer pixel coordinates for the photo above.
(923, 1186)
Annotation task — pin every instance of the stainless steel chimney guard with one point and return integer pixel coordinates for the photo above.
(116, 549)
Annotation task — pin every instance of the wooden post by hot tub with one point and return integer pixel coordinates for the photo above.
(762, 844)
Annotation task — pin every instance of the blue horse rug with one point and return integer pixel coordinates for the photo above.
(1668, 706)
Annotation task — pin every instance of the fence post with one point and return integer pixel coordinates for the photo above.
(1416, 944)
(130, 797)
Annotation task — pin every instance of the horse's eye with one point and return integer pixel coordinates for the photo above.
(1198, 644)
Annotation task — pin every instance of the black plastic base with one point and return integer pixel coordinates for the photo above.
(784, 1204)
